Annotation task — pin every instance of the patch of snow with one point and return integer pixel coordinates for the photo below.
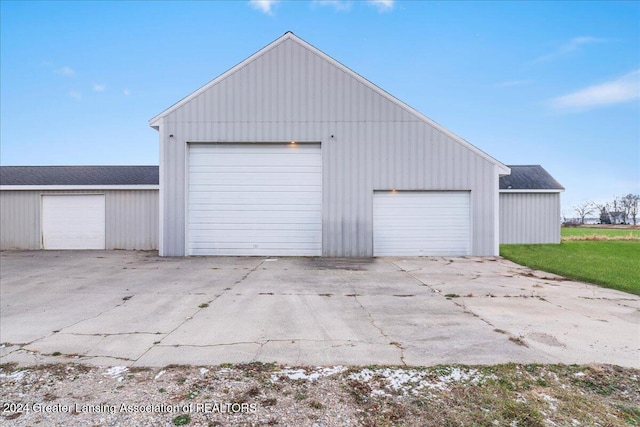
(271, 259)
(550, 401)
(116, 371)
(575, 422)
(411, 380)
(301, 374)
(579, 374)
(15, 376)
(203, 371)
(159, 374)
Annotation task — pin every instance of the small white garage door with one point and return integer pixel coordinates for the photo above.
(255, 199)
(73, 221)
(421, 223)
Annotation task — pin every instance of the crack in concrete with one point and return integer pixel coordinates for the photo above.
(373, 323)
(79, 334)
(264, 342)
(57, 331)
(225, 290)
(464, 308)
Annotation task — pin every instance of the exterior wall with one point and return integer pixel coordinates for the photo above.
(529, 217)
(131, 218)
(368, 143)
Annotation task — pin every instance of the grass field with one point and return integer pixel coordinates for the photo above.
(610, 263)
(578, 232)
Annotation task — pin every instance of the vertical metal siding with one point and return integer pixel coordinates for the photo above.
(529, 217)
(131, 218)
(19, 220)
(292, 93)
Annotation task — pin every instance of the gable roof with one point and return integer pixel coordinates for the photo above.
(155, 121)
(529, 177)
(78, 175)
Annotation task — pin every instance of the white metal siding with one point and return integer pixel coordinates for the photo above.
(255, 199)
(421, 223)
(73, 222)
(529, 217)
(368, 143)
(131, 218)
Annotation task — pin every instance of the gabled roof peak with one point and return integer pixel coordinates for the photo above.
(155, 122)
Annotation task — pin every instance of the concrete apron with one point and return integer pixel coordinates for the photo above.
(137, 309)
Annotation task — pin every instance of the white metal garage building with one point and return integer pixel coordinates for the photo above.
(287, 153)
(116, 207)
(78, 207)
(292, 153)
(529, 206)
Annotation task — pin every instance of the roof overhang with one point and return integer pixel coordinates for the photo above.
(550, 190)
(76, 187)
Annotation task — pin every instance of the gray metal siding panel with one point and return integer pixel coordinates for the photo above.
(293, 94)
(131, 218)
(529, 217)
(19, 220)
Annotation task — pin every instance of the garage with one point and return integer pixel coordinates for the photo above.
(255, 199)
(73, 221)
(421, 223)
(229, 184)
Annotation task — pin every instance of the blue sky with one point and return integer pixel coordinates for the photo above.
(550, 83)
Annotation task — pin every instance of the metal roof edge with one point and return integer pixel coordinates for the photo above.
(402, 104)
(78, 187)
(531, 190)
(154, 122)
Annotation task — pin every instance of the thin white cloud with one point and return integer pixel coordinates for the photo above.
(617, 91)
(511, 83)
(265, 6)
(97, 87)
(382, 5)
(339, 5)
(571, 46)
(75, 95)
(126, 92)
(65, 71)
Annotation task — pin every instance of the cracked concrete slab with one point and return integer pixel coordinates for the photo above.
(135, 308)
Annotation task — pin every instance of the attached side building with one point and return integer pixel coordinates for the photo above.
(292, 153)
(79, 207)
(529, 206)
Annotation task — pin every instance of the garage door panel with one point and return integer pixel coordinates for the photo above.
(232, 187)
(73, 221)
(255, 200)
(249, 160)
(421, 223)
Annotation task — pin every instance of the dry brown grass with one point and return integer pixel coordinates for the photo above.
(600, 237)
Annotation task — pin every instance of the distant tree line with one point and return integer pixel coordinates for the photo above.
(622, 210)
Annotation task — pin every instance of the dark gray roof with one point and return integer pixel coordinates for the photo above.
(529, 177)
(79, 175)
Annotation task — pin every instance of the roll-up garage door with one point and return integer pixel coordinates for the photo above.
(255, 199)
(415, 223)
(74, 221)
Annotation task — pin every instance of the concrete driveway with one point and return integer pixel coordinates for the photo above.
(135, 308)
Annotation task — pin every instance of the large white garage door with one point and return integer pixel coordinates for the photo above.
(73, 221)
(421, 223)
(255, 199)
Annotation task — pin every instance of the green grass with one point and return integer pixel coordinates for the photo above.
(609, 232)
(612, 264)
